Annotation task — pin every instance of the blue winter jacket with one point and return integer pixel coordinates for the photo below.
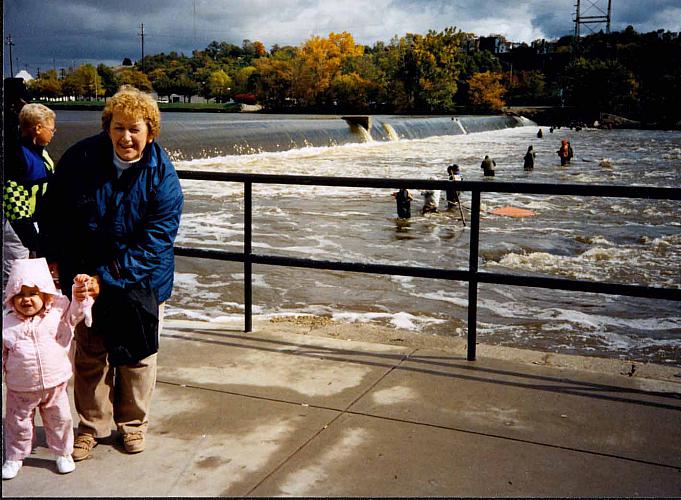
(122, 229)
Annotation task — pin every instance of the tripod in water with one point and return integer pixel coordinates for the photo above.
(456, 201)
(454, 173)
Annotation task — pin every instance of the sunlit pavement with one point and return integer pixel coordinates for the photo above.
(280, 413)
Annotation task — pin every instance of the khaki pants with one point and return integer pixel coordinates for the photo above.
(105, 394)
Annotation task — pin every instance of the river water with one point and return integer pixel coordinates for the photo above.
(606, 240)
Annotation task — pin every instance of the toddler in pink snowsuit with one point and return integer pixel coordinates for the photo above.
(36, 339)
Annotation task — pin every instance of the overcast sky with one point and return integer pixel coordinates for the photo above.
(62, 33)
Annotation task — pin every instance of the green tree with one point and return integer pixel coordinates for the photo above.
(372, 80)
(421, 72)
(160, 82)
(597, 85)
(110, 82)
(527, 87)
(219, 85)
(438, 60)
(186, 87)
(242, 78)
(400, 66)
(350, 91)
(84, 81)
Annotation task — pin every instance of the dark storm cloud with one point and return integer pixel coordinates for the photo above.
(65, 32)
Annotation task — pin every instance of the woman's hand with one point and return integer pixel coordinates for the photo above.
(85, 285)
(93, 286)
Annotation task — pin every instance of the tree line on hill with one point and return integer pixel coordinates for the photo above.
(627, 73)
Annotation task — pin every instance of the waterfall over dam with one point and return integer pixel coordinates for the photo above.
(189, 136)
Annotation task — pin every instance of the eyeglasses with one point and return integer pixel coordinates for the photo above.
(51, 130)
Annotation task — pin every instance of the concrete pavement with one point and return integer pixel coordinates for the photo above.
(313, 411)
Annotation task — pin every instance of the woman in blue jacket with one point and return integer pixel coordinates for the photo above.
(114, 212)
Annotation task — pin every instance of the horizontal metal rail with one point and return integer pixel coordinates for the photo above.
(649, 192)
(442, 274)
(472, 275)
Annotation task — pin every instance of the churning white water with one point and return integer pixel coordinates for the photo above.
(612, 240)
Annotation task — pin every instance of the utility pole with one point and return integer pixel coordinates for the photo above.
(11, 44)
(577, 20)
(142, 37)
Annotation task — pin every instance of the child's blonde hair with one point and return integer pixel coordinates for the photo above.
(133, 103)
(33, 114)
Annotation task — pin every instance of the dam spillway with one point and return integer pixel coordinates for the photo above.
(188, 136)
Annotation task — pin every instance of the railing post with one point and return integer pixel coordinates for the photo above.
(473, 271)
(248, 264)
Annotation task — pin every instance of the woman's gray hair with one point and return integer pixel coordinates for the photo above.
(33, 114)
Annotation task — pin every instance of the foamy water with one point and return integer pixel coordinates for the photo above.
(615, 240)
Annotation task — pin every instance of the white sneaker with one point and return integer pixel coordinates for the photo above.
(10, 468)
(65, 464)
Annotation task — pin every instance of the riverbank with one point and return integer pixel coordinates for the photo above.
(284, 411)
(163, 106)
(545, 116)
(569, 117)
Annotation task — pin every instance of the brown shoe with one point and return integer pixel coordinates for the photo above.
(133, 442)
(82, 447)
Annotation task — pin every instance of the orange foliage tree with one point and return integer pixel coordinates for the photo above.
(486, 91)
(319, 62)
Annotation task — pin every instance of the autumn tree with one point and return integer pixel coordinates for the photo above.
(47, 84)
(273, 80)
(486, 91)
(135, 78)
(320, 61)
(476, 61)
(260, 49)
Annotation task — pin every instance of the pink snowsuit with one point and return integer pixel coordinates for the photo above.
(35, 362)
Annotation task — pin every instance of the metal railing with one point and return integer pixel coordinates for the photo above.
(471, 275)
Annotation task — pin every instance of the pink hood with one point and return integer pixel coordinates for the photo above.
(29, 272)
